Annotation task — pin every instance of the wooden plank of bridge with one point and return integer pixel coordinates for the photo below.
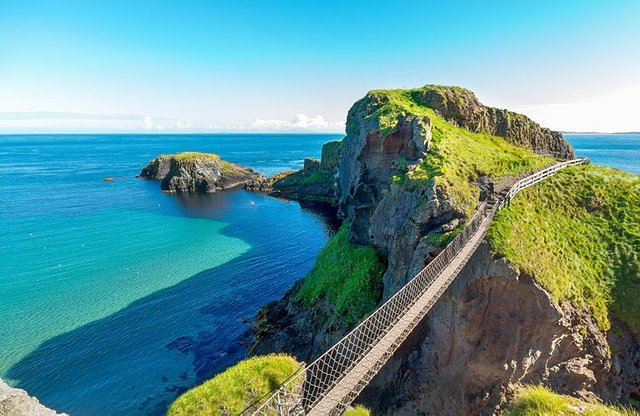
(390, 342)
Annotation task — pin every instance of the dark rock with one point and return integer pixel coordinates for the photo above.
(183, 344)
(494, 329)
(197, 173)
(460, 107)
(315, 182)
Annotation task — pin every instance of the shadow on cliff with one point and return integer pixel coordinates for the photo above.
(135, 361)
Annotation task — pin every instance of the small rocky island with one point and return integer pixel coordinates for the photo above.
(194, 172)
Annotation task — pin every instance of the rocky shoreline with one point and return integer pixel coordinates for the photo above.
(194, 172)
(17, 402)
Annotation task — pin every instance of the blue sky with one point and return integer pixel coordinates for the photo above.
(299, 65)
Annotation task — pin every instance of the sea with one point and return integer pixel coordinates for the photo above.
(116, 297)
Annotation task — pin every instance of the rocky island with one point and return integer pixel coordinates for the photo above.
(194, 172)
(548, 299)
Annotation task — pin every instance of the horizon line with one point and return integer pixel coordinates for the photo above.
(203, 133)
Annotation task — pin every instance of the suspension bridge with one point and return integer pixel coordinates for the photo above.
(329, 384)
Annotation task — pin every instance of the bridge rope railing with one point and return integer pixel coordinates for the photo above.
(309, 385)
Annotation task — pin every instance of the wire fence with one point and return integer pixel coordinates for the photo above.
(312, 384)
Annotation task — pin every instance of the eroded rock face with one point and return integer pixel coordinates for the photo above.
(315, 182)
(196, 173)
(495, 328)
(16, 402)
(288, 325)
(395, 218)
(460, 107)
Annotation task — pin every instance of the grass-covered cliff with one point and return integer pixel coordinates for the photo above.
(232, 391)
(455, 156)
(196, 172)
(578, 234)
(412, 168)
(347, 277)
(538, 400)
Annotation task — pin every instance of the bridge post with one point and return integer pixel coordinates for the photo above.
(288, 401)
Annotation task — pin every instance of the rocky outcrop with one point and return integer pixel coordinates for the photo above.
(288, 325)
(460, 107)
(493, 329)
(315, 182)
(400, 218)
(16, 402)
(192, 172)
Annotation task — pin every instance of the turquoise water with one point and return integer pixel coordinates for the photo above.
(114, 297)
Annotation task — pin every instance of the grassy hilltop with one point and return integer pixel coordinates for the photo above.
(456, 156)
(578, 234)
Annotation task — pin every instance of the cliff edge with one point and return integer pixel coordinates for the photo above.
(412, 169)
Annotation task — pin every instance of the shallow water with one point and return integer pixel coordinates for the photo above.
(114, 296)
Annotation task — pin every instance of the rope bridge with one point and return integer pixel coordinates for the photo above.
(329, 384)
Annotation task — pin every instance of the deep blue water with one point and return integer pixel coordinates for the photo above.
(620, 151)
(114, 297)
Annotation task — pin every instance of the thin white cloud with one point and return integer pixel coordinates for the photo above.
(52, 122)
(613, 112)
(300, 122)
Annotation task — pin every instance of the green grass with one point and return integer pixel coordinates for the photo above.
(578, 234)
(441, 239)
(187, 156)
(225, 167)
(347, 276)
(457, 156)
(358, 410)
(302, 177)
(318, 177)
(539, 400)
(231, 391)
(229, 168)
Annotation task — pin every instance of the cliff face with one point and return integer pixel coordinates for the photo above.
(460, 107)
(315, 182)
(391, 137)
(493, 329)
(196, 173)
(412, 169)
